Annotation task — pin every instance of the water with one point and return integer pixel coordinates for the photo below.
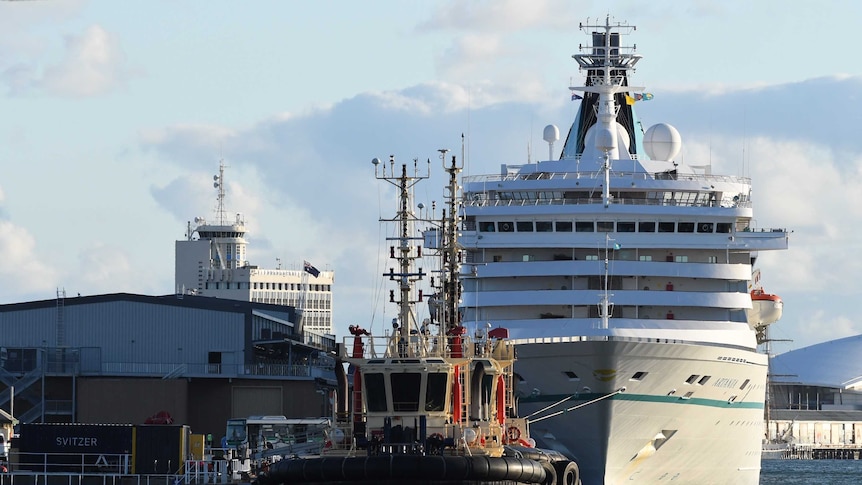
(831, 472)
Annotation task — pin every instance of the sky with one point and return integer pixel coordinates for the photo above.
(114, 116)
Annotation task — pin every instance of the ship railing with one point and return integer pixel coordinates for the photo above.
(177, 370)
(658, 202)
(414, 346)
(73, 463)
(512, 176)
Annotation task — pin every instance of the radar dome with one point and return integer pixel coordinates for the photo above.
(662, 142)
(551, 134)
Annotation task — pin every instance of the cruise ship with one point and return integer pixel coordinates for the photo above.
(622, 275)
(211, 261)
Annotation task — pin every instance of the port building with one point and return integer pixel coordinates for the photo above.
(122, 358)
(815, 395)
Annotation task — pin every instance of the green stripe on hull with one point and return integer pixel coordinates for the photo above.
(693, 401)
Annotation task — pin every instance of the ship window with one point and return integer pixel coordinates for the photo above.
(498, 258)
(375, 393)
(639, 376)
(646, 226)
(564, 226)
(681, 259)
(571, 375)
(685, 227)
(722, 227)
(691, 379)
(584, 226)
(666, 227)
(712, 259)
(505, 226)
(524, 226)
(645, 258)
(744, 384)
(435, 394)
(704, 227)
(703, 380)
(544, 226)
(625, 227)
(486, 227)
(605, 226)
(592, 257)
(405, 391)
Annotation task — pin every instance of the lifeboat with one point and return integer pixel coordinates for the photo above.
(766, 308)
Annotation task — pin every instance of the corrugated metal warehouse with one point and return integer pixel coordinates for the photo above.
(121, 358)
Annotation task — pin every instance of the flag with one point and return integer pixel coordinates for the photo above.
(575, 96)
(310, 269)
(630, 100)
(647, 96)
(639, 96)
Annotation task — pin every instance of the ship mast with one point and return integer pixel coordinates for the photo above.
(451, 251)
(406, 252)
(607, 67)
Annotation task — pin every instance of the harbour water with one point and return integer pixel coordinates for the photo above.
(831, 472)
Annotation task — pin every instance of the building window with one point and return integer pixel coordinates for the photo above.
(585, 226)
(666, 227)
(685, 227)
(544, 226)
(646, 226)
(625, 227)
(564, 226)
(704, 227)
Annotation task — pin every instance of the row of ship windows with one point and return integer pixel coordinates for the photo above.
(670, 258)
(227, 285)
(604, 226)
(694, 379)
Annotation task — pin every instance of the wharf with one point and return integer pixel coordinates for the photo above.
(822, 452)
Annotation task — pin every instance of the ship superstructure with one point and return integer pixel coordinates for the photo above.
(615, 267)
(211, 261)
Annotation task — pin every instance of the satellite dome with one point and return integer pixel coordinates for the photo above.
(662, 142)
(551, 134)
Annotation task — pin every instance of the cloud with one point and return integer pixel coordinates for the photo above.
(503, 15)
(21, 271)
(92, 64)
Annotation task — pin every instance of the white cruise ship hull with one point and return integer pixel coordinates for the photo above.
(654, 431)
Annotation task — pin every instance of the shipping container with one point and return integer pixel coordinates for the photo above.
(62, 447)
(160, 449)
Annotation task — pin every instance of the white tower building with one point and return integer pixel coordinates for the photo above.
(211, 261)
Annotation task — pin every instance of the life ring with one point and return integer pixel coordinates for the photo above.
(513, 434)
(505, 227)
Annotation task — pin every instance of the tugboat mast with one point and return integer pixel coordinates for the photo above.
(404, 253)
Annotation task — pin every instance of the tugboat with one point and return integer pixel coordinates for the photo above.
(431, 402)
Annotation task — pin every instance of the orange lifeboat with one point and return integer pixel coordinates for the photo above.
(766, 308)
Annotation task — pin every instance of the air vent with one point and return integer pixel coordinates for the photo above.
(571, 375)
(744, 384)
(692, 379)
(639, 376)
(703, 380)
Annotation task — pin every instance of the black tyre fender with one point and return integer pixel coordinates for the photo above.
(567, 473)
